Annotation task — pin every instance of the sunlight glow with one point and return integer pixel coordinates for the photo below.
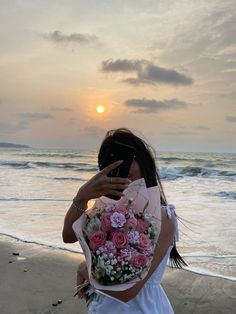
(100, 109)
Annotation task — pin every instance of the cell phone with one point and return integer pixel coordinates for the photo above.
(114, 152)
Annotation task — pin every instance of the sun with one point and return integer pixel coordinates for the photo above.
(100, 109)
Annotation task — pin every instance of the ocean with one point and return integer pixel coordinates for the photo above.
(37, 186)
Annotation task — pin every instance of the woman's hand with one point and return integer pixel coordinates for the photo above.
(82, 275)
(101, 184)
(98, 185)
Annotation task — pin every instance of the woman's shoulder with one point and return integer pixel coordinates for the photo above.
(169, 218)
(167, 232)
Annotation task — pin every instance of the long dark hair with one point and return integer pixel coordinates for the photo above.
(145, 156)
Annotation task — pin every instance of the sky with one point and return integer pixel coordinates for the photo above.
(165, 69)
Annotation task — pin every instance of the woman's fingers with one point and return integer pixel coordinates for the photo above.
(119, 180)
(82, 294)
(115, 192)
(113, 185)
(118, 186)
(80, 278)
(100, 184)
(112, 166)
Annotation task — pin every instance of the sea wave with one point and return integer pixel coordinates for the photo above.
(16, 164)
(15, 199)
(171, 173)
(198, 162)
(207, 256)
(168, 173)
(220, 266)
(63, 155)
(79, 166)
(171, 159)
(228, 195)
(203, 272)
(65, 165)
(69, 179)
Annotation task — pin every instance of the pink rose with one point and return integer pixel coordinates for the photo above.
(123, 211)
(139, 260)
(97, 239)
(142, 226)
(131, 222)
(119, 239)
(144, 241)
(106, 222)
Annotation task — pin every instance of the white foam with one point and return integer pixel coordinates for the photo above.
(208, 256)
(202, 272)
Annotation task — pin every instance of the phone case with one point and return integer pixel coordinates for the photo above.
(118, 151)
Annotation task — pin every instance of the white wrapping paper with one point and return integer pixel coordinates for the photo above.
(145, 199)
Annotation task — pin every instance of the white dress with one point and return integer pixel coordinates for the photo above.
(151, 299)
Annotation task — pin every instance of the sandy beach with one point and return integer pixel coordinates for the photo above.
(39, 277)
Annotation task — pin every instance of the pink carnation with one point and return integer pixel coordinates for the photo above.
(108, 248)
(119, 239)
(117, 220)
(133, 236)
(139, 260)
(142, 226)
(106, 222)
(97, 239)
(148, 251)
(126, 254)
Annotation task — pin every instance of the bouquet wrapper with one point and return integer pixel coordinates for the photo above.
(144, 199)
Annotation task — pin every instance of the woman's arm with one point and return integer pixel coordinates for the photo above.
(164, 241)
(97, 186)
(72, 215)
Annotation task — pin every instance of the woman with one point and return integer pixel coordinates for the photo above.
(147, 296)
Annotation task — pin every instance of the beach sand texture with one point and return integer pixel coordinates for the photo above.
(40, 276)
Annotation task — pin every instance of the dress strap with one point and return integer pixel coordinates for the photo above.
(170, 210)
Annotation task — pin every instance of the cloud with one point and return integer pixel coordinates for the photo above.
(8, 128)
(202, 128)
(59, 37)
(146, 72)
(93, 131)
(60, 109)
(179, 133)
(231, 119)
(26, 118)
(152, 73)
(35, 116)
(90, 137)
(122, 65)
(151, 105)
(5, 127)
(225, 28)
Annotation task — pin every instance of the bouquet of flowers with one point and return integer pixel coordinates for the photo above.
(118, 237)
(121, 242)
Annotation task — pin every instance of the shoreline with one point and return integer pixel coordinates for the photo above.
(44, 245)
(40, 276)
(36, 279)
(191, 269)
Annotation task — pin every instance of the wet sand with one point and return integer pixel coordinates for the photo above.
(40, 276)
